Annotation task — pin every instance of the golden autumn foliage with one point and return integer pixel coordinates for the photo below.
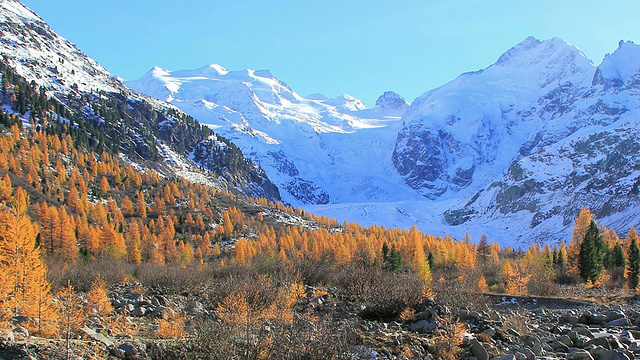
(25, 290)
(97, 300)
(172, 327)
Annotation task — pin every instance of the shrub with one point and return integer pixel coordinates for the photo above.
(384, 294)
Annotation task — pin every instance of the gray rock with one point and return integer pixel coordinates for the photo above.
(423, 326)
(139, 311)
(618, 322)
(505, 357)
(581, 330)
(600, 341)
(97, 336)
(529, 353)
(558, 346)
(478, 350)
(126, 351)
(6, 336)
(614, 315)
(597, 318)
(520, 356)
(537, 349)
(565, 339)
(581, 355)
(615, 355)
(20, 333)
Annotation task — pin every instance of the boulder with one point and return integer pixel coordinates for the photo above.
(423, 326)
(139, 311)
(478, 350)
(20, 333)
(97, 336)
(581, 355)
(616, 355)
(126, 351)
(618, 322)
(6, 336)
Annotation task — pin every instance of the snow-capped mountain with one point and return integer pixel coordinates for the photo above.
(528, 141)
(514, 150)
(317, 150)
(142, 129)
(523, 144)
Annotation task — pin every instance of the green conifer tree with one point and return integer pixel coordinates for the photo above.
(633, 271)
(591, 255)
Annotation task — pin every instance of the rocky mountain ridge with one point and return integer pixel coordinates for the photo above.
(141, 129)
(305, 144)
(524, 143)
(490, 150)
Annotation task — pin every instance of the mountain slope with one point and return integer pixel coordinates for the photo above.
(317, 150)
(491, 151)
(529, 141)
(118, 120)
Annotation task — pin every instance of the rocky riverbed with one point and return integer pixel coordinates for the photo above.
(521, 328)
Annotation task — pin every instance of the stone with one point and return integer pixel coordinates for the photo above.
(581, 355)
(600, 341)
(615, 355)
(529, 353)
(20, 333)
(581, 330)
(558, 346)
(6, 336)
(565, 339)
(139, 311)
(423, 326)
(614, 315)
(569, 318)
(537, 349)
(597, 318)
(97, 336)
(505, 357)
(126, 351)
(478, 350)
(618, 322)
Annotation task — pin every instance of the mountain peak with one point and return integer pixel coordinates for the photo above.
(17, 8)
(392, 104)
(618, 67)
(346, 102)
(532, 51)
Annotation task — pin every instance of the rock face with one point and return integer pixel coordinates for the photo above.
(317, 150)
(530, 140)
(391, 104)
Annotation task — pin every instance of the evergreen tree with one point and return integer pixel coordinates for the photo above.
(483, 248)
(392, 259)
(615, 257)
(633, 272)
(591, 255)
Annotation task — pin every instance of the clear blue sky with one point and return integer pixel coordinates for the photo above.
(362, 48)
